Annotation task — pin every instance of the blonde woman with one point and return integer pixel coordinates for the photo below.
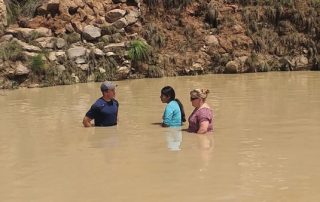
(201, 119)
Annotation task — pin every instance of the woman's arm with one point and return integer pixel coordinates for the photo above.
(203, 127)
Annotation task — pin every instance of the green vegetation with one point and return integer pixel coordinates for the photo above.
(37, 64)
(21, 8)
(11, 51)
(72, 37)
(139, 51)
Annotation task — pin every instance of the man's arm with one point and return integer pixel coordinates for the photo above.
(87, 122)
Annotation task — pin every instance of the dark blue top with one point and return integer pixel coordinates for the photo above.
(104, 113)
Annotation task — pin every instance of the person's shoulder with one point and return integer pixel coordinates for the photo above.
(116, 101)
(173, 103)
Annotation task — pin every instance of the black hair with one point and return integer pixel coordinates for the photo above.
(169, 92)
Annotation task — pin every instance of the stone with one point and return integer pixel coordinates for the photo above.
(3, 14)
(29, 54)
(27, 47)
(91, 32)
(60, 43)
(84, 67)
(51, 6)
(76, 52)
(212, 40)
(7, 37)
(60, 54)
(109, 54)
(52, 56)
(132, 17)
(114, 15)
(76, 79)
(134, 28)
(301, 61)
(61, 68)
(27, 32)
(69, 28)
(46, 42)
(20, 69)
(98, 52)
(197, 66)
(114, 47)
(102, 70)
(121, 23)
(80, 60)
(123, 70)
(232, 67)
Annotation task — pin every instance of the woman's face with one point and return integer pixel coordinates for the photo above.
(196, 102)
(164, 98)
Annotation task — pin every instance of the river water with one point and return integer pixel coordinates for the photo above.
(265, 146)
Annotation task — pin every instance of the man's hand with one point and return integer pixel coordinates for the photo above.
(86, 122)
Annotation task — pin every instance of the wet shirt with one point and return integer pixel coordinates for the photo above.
(172, 114)
(198, 116)
(104, 113)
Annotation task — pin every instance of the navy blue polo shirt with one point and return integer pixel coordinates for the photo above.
(104, 113)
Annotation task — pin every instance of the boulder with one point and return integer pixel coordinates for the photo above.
(80, 60)
(132, 17)
(27, 47)
(46, 42)
(120, 24)
(212, 40)
(61, 68)
(52, 56)
(7, 37)
(114, 15)
(60, 43)
(84, 67)
(20, 69)
(51, 6)
(232, 67)
(28, 32)
(301, 62)
(76, 52)
(91, 32)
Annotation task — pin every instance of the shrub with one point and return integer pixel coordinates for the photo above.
(139, 51)
(37, 64)
(72, 38)
(11, 51)
(21, 8)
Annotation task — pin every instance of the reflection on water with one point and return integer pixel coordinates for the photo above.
(264, 148)
(174, 138)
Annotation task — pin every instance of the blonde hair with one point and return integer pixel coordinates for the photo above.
(199, 93)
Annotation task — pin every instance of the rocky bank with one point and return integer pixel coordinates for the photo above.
(71, 41)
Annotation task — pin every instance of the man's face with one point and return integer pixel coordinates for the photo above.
(111, 93)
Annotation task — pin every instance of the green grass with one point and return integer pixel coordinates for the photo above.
(37, 64)
(139, 51)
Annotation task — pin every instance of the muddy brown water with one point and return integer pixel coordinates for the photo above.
(265, 147)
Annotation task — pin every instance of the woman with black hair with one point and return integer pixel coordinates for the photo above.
(173, 115)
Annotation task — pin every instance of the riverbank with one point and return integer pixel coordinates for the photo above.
(66, 42)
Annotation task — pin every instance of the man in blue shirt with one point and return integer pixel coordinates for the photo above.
(104, 111)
